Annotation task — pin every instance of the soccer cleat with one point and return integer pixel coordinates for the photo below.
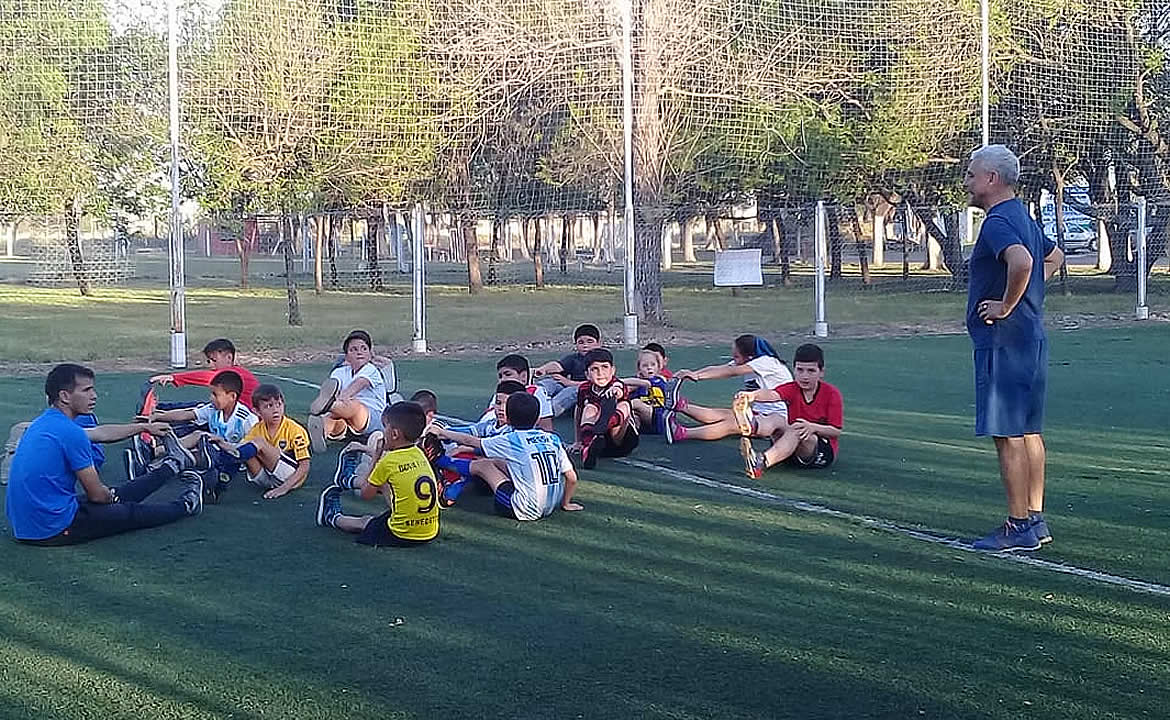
(754, 463)
(347, 468)
(142, 453)
(326, 396)
(1040, 528)
(741, 408)
(316, 428)
(176, 451)
(670, 396)
(192, 495)
(202, 455)
(328, 506)
(1009, 537)
(671, 430)
(588, 455)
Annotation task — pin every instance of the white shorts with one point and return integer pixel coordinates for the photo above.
(275, 477)
(770, 408)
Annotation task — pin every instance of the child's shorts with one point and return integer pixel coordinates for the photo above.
(275, 477)
(377, 534)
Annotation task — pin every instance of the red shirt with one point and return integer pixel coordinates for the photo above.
(826, 407)
(666, 374)
(203, 378)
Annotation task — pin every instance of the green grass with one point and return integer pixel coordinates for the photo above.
(131, 325)
(663, 599)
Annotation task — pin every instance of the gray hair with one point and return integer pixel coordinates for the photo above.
(999, 160)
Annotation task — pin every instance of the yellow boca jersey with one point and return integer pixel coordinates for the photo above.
(411, 492)
(290, 438)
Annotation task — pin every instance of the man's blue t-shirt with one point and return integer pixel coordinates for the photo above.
(89, 420)
(1007, 224)
(42, 496)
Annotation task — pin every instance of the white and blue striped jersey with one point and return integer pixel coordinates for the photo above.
(485, 428)
(537, 462)
(234, 428)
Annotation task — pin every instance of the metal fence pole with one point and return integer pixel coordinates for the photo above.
(820, 248)
(419, 291)
(630, 319)
(1142, 312)
(178, 299)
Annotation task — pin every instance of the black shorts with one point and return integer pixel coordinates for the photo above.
(503, 497)
(605, 446)
(822, 457)
(377, 534)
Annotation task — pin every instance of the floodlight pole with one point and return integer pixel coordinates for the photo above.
(985, 51)
(177, 280)
(630, 319)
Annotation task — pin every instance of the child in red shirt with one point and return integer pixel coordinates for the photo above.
(221, 355)
(806, 436)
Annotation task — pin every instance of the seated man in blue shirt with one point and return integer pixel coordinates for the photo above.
(55, 454)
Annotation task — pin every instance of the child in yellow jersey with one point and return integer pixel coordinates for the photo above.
(280, 462)
(403, 476)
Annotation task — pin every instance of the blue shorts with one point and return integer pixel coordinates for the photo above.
(504, 499)
(1010, 387)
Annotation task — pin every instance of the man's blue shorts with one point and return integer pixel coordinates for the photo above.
(1010, 387)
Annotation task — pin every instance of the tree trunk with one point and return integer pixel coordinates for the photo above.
(566, 238)
(906, 216)
(471, 244)
(12, 230)
(73, 241)
(952, 250)
(290, 281)
(335, 223)
(525, 252)
(537, 254)
(495, 249)
(318, 245)
(859, 244)
(246, 244)
(836, 242)
(879, 239)
(1058, 211)
(373, 231)
(596, 238)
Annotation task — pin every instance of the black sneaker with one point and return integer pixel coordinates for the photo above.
(1043, 534)
(192, 495)
(325, 397)
(176, 450)
(328, 506)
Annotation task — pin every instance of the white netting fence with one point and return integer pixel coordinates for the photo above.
(319, 138)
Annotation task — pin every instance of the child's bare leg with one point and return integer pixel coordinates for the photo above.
(267, 455)
(713, 431)
(352, 523)
(789, 444)
(191, 440)
(589, 414)
(643, 412)
(706, 415)
(490, 470)
(618, 432)
(769, 425)
(346, 413)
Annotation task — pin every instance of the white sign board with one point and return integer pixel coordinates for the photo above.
(738, 268)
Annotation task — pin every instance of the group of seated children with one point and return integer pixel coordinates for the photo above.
(400, 449)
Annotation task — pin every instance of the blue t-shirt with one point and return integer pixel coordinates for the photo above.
(42, 496)
(1007, 224)
(574, 367)
(99, 453)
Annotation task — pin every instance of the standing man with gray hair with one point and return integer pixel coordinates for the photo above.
(1010, 263)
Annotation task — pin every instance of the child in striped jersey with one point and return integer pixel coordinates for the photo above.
(526, 468)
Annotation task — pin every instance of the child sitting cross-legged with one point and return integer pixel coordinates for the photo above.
(526, 468)
(403, 477)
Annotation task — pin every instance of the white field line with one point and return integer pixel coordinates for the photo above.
(923, 534)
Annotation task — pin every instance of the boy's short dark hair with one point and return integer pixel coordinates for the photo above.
(264, 393)
(522, 411)
(808, 353)
(426, 399)
(357, 335)
(519, 363)
(510, 386)
(655, 348)
(64, 377)
(599, 355)
(219, 345)
(408, 417)
(587, 330)
(230, 381)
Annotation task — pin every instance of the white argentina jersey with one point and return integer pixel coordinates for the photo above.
(537, 462)
(233, 428)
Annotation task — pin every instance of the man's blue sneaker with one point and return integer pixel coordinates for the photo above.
(328, 506)
(1040, 528)
(1009, 537)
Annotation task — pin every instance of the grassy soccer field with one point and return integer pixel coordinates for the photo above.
(664, 599)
